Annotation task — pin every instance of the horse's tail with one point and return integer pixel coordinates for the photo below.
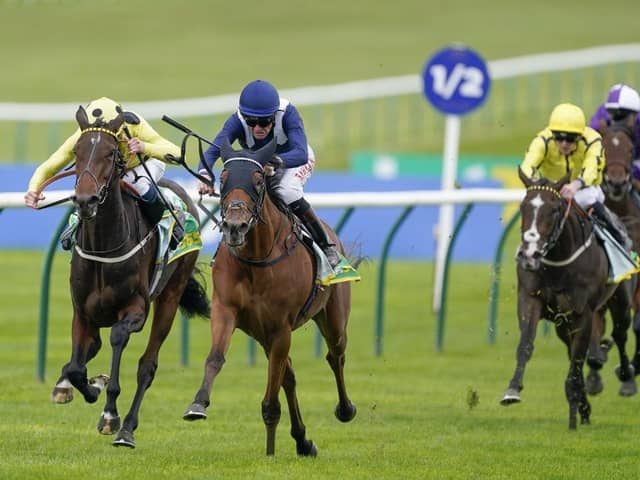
(194, 300)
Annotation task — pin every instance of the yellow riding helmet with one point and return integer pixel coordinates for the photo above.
(567, 117)
(103, 109)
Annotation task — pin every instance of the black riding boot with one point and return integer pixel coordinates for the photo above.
(66, 237)
(304, 212)
(604, 215)
(153, 208)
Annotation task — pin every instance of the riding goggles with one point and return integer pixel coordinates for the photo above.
(261, 121)
(565, 137)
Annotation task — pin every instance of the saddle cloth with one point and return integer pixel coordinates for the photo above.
(622, 264)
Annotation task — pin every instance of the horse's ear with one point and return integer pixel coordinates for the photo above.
(82, 118)
(526, 181)
(115, 124)
(264, 154)
(226, 150)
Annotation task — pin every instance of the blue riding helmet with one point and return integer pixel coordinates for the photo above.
(259, 99)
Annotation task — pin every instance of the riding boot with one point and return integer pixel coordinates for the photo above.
(153, 208)
(66, 237)
(605, 216)
(635, 197)
(304, 212)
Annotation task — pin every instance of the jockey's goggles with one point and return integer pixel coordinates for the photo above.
(565, 137)
(261, 121)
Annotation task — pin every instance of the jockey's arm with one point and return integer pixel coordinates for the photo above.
(593, 162)
(155, 145)
(297, 154)
(534, 157)
(59, 159)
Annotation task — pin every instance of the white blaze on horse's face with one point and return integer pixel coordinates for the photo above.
(531, 237)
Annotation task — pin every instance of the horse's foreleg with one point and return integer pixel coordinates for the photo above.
(636, 331)
(63, 389)
(109, 422)
(621, 316)
(278, 352)
(529, 312)
(577, 336)
(164, 311)
(304, 446)
(222, 326)
(76, 370)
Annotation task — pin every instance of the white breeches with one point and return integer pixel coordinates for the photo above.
(588, 196)
(137, 177)
(290, 187)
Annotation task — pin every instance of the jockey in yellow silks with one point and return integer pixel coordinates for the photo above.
(144, 141)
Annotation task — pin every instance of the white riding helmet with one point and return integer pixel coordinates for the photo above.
(623, 97)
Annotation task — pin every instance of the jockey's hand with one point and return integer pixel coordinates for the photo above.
(273, 166)
(569, 190)
(135, 145)
(204, 189)
(31, 199)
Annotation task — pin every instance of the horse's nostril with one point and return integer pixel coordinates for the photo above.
(93, 200)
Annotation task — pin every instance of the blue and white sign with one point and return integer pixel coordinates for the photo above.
(456, 80)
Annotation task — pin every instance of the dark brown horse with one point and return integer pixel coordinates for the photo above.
(562, 277)
(617, 187)
(265, 284)
(111, 271)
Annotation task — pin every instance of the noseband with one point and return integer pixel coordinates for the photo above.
(117, 165)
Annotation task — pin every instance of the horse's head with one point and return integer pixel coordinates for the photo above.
(618, 149)
(242, 190)
(543, 216)
(98, 162)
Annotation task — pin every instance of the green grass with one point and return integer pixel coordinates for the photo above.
(413, 418)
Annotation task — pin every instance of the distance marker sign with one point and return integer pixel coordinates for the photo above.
(456, 80)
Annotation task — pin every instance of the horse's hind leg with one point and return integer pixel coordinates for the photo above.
(63, 389)
(597, 355)
(332, 323)
(304, 446)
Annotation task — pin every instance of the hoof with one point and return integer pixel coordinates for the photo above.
(62, 395)
(124, 439)
(195, 412)
(307, 449)
(345, 414)
(628, 388)
(108, 425)
(593, 384)
(510, 396)
(99, 381)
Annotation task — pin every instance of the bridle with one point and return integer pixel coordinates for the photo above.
(118, 164)
(258, 197)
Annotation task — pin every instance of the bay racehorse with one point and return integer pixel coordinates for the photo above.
(617, 187)
(111, 271)
(563, 274)
(264, 279)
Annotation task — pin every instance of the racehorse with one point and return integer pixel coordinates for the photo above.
(563, 277)
(111, 272)
(264, 280)
(617, 187)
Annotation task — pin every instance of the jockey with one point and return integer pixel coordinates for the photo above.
(261, 116)
(145, 140)
(622, 107)
(568, 146)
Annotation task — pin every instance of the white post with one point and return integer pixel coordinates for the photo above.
(445, 221)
